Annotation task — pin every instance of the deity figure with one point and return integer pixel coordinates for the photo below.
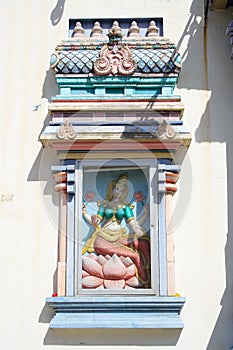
(110, 238)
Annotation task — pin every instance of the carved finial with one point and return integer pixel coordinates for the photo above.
(115, 33)
(78, 31)
(115, 26)
(134, 30)
(97, 31)
(152, 30)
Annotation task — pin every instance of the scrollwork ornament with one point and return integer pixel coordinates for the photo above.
(115, 60)
(66, 131)
(102, 65)
(165, 130)
(54, 60)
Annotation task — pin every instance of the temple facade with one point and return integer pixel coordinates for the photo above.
(116, 189)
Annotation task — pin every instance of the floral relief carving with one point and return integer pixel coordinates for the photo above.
(66, 131)
(165, 130)
(106, 272)
(121, 253)
(115, 60)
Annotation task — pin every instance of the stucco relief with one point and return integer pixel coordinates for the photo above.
(66, 131)
(115, 257)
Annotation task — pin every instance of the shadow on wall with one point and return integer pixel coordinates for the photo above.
(50, 87)
(222, 335)
(106, 337)
(192, 57)
(57, 12)
(216, 125)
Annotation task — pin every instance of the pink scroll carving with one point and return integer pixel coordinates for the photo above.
(116, 59)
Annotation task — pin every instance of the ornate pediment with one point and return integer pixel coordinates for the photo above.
(116, 84)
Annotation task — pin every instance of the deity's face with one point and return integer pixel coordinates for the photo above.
(118, 191)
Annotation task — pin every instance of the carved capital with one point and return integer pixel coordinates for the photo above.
(61, 181)
(171, 179)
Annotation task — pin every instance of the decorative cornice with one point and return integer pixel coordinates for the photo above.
(116, 53)
(115, 73)
(115, 33)
(144, 60)
(116, 312)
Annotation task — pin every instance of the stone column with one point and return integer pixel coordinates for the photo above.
(171, 179)
(61, 188)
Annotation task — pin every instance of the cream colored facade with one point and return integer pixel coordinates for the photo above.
(202, 207)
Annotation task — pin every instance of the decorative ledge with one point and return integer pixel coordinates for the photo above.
(116, 312)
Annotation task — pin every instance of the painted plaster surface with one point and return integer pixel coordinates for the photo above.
(201, 217)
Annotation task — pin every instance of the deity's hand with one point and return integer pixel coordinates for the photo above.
(137, 229)
(84, 208)
(95, 220)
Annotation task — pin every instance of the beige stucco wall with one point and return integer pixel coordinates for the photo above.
(202, 207)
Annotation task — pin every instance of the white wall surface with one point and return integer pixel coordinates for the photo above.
(203, 219)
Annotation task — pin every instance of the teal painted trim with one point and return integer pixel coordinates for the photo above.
(115, 86)
(167, 90)
(116, 81)
(90, 80)
(65, 90)
(116, 312)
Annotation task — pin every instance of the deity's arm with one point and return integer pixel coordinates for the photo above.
(144, 215)
(85, 214)
(133, 223)
(94, 219)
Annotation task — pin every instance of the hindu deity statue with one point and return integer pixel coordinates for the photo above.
(123, 255)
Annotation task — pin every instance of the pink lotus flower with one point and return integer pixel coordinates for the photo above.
(90, 196)
(139, 196)
(109, 272)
